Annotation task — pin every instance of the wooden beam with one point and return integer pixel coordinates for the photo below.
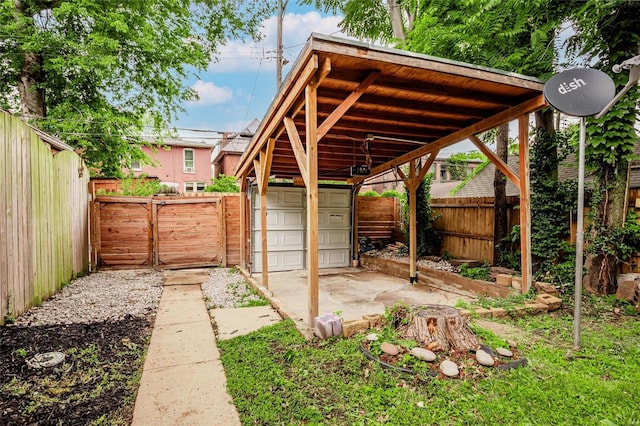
(275, 119)
(323, 72)
(488, 123)
(413, 246)
(311, 115)
(263, 239)
(258, 168)
(525, 203)
(298, 149)
(427, 165)
(501, 165)
(344, 106)
(266, 159)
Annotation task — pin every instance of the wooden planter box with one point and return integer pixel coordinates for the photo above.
(427, 277)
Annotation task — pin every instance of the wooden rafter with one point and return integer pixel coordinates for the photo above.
(501, 165)
(348, 102)
(298, 149)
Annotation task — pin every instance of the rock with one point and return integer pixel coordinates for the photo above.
(372, 337)
(514, 364)
(512, 344)
(449, 368)
(350, 328)
(504, 352)
(629, 288)
(504, 280)
(389, 349)
(488, 350)
(546, 288)
(553, 303)
(484, 358)
(423, 354)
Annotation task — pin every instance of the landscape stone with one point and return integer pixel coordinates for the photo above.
(488, 350)
(449, 368)
(504, 280)
(423, 354)
(553, 303)
(546, 288)
(504, 352)
(629, 288)
(372, 337)
(350, 328)
(516, 282)
(389, 348)
(484, 358)
(513, 364)
(512, 343)
(499, 313)
(375, 320)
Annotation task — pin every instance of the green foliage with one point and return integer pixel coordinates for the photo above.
(275, 376)
(475, 273)
(369, 193)
(136, 186)
(108, 73)
(427, 239)
(457, 163)
(475, 171)
(223, 183)
(552, 203)
(391, 193)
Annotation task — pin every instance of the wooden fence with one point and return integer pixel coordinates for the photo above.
(377, 217)
(165, 232)
(43, 218)
(466, 225)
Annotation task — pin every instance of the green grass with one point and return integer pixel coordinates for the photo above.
(276, 377)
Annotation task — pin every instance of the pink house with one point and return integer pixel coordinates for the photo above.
(184, 165)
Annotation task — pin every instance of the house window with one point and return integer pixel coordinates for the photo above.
(135, 166)
(194, 186)
(189, 162)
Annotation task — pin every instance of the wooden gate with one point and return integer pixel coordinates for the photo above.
(161, 232)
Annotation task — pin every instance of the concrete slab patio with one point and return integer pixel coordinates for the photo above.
(351, 291)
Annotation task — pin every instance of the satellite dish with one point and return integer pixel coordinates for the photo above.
(580, 92)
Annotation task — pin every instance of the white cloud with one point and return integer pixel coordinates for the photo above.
(239, 55)
(210, 94)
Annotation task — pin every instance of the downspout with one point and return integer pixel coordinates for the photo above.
(355, 255)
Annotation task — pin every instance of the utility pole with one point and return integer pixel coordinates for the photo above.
(279, 59)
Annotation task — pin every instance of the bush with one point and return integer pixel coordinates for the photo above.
(370, 193)
(223, 183)
(391, 193)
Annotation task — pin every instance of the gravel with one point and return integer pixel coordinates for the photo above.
(227, 288)
(117, 295)
(101, 296)
(394, 252)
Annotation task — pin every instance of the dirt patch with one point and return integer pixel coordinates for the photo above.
(96, 383)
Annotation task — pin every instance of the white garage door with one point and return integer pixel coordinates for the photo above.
(286, 228)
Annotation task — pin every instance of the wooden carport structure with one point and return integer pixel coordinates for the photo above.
(348, 103)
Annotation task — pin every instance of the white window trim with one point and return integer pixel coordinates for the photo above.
(194, 186)
(186, 169)
(136, 166)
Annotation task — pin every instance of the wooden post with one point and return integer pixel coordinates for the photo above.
(413, 246)
(311, 122)
(222, 216)
(243, 222)
(263, 237)
(525, 203)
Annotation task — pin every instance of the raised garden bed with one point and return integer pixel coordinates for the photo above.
(432, 278)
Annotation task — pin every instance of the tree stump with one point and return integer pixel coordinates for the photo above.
(439, 328)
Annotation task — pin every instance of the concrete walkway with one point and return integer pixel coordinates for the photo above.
(183, 382)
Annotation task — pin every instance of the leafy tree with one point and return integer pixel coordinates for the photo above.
(223, 183)
(391, 193)
(374, 20)
(97, 73)
(608, 32)
(369, 193)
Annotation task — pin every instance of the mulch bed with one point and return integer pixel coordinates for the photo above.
(96, 382)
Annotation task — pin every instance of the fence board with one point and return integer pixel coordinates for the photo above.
(376, 217)
(39, 224)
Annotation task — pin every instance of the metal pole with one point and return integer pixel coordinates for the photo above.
(279, 46)
(579, 238)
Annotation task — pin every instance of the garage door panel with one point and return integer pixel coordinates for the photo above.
(337, 258)
(281, 261)
(333, 239)
(281, 219)
(280, 240)
(334, 198)
(334, 218)
(283, 198)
